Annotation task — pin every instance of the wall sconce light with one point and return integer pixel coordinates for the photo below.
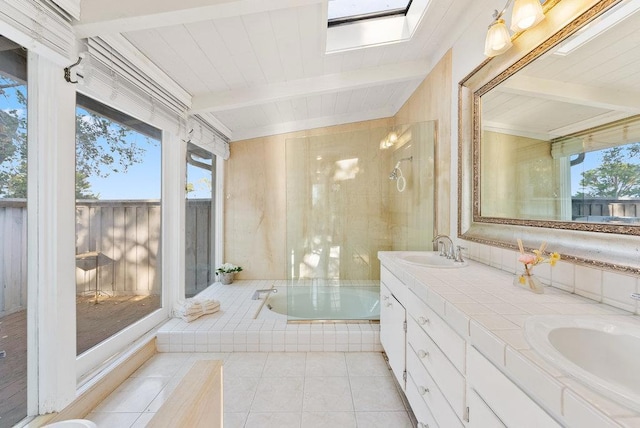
(67, 71)
(526, 14)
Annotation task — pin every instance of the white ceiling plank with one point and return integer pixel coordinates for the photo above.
(234, 35)
(215, 50)
(318, 122)
(121, 16)
(201, 69)
(272, 112)
(310, 86)
(300, 110)
(286, 110)
(263, 43)
(312, 30)
(342, 103)
(572, 93)
(356, 102)
(287, 34)
(328, 104)
(314, 106)
(352, 60)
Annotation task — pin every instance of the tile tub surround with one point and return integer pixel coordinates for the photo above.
(235, 329)
(483, 306)
(263, 390)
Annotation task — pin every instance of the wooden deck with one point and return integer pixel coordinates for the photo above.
(96, 322)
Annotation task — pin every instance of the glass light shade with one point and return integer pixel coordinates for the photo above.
(526, 14)
(498, 39)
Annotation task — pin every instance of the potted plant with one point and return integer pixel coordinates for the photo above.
(226, 272)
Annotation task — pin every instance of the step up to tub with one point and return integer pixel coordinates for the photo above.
(196, 402)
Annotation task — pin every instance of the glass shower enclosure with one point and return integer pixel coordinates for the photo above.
(350, 195)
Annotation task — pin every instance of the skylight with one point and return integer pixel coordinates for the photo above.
(346, 11)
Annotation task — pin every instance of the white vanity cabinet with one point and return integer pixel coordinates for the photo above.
(499, 400)
(425, 354)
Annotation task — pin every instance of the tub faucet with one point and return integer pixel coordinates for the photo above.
(447, 251)
(257, 293)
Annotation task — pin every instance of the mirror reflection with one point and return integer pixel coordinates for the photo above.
(561, 137)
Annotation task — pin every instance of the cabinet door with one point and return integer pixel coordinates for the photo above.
(392, 334)
(480, 415)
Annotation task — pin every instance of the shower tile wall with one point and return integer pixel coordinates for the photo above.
(342, 207)
(285, 208)
(337, 205)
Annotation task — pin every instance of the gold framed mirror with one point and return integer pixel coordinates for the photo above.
(542, 130)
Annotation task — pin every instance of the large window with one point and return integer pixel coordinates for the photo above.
(118, 221)
(13, 233)
(199, 228)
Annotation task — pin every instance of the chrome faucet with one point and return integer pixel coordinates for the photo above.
(257, 293)
(458, 257)
(447, 251)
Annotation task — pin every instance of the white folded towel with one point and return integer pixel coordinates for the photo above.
(190, 309)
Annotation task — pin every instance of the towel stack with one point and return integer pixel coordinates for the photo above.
(190, 309)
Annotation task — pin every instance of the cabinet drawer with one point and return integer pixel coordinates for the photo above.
(443, 372)
(394, 284)
(506, 400)
(444, 336)
(431, 394)
(418, 406)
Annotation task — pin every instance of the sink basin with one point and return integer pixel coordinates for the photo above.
(600, 353)
(430, 259)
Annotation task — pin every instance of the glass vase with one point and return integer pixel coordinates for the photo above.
(529, 282)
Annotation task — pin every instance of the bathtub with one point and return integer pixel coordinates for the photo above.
(326, 302)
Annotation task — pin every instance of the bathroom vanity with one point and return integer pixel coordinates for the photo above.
(455, 341)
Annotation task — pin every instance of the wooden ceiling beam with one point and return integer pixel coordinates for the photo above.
(349, 80)
(101, 18)
(591, 96)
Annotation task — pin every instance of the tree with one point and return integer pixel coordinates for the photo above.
(618, 175)
(102, 147)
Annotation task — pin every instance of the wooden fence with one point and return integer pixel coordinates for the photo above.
(117, 249)
(603, 207)
(13, 259)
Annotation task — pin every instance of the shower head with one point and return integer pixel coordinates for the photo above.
(396, 169)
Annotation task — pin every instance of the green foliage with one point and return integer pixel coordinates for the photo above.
(83, 187)
(618, 175)
(13, 148)
(96, 159)
(102, 147)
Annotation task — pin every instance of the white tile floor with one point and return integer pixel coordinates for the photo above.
(270, 389)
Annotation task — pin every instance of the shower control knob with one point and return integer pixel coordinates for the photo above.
(388, 304)
(385, 297)
(421, 425)
(423, 354)
(422, 390)
(423, 320)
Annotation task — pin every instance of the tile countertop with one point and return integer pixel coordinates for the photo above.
(482, 304)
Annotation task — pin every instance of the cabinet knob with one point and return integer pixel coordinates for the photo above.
(423, 320)
(422, 390)
(421, 425)
(423, 354)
